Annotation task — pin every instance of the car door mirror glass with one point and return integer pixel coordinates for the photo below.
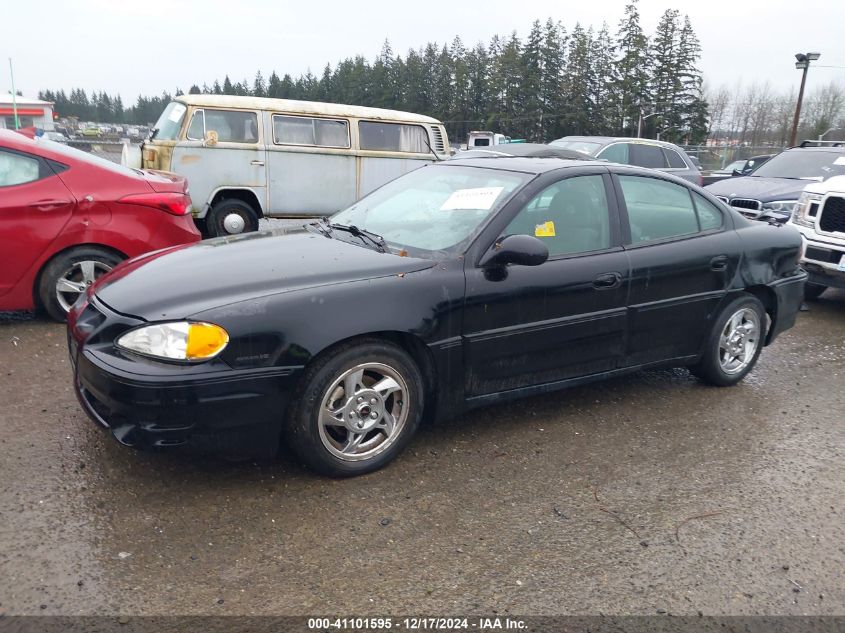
(522, 250)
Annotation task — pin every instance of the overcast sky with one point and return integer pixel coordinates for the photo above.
(145, 46)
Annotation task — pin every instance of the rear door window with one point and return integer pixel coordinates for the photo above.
(393, 137)
(651, 156)
(657, 209)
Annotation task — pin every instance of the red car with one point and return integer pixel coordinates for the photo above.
(68, 217)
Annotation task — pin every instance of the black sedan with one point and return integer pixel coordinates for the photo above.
(461, 284)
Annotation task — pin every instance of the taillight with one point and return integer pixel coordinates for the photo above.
(169, 202)
(700, 180)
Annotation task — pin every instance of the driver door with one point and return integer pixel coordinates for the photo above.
(532, 325)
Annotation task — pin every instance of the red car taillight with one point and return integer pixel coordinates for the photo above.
(169, 202)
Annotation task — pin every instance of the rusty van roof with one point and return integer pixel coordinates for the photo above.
(292, 106)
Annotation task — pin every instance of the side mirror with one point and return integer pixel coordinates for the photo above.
(211, 138)
(523, 250)
(737, 172)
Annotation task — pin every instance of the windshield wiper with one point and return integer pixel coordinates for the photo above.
(374, 238)
(323, 226)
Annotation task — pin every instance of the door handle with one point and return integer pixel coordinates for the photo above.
(719, 264)
(47, 205)
(257, 163)
(607, 280)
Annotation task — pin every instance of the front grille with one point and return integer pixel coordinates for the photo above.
(439, 145)
(832, 216)
(746, 203)
(823, 255)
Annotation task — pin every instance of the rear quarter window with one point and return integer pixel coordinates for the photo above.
(674, 159)
(393, 137)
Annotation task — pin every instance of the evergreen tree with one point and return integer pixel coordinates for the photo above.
(553, 56)
(665, 82)
(259, 89)
(274, 86)
(532, 85)
(632, 67)
(578, 77)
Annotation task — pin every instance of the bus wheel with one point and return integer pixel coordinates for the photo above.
(231, 217)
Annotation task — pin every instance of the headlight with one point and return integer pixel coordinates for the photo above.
(779, 206)
(806, 209)
(180, 340)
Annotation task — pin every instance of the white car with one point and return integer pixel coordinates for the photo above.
(820, 216)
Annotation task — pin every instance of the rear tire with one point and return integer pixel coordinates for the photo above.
(231, 217)
(734, 343)
(368, 384)
(69, 274)
(813, 291)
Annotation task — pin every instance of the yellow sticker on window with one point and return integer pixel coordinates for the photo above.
(547, 229)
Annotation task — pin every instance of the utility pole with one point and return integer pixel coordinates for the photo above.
(803, 63)
(14, 97)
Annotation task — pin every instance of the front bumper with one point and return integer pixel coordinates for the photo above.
(149, 405)
(822, 258)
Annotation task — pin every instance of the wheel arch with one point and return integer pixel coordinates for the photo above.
(36, 295)
(767, 297)
(245, 195)
(409, 343)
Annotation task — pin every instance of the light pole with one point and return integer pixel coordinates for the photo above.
(803, 63)
(14, 96)
(643, 118)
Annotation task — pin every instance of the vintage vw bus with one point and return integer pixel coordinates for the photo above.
(250, 157)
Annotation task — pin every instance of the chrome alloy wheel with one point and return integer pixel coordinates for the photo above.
(363, 412)
(739, 340)
(76, 279)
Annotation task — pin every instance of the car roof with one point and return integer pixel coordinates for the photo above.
(524, 164)
(606, 140)
(825, 148)
(536, 150)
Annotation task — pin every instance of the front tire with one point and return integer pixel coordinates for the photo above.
(813, 291)
(69, 274)
(734, 343)
(358, 408)
(231, 217)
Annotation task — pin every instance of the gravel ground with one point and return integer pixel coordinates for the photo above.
(645, 493)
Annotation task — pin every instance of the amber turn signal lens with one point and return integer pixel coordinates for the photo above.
(205, 340)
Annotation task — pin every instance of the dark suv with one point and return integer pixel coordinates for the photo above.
(771, 191)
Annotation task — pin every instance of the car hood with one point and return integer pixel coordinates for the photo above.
(176, 283)
(763, 189)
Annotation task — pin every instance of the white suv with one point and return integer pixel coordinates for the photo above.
(820, 216)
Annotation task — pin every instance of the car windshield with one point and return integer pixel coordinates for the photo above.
(803, 164)
(579, 146)
(435, 208)
(170, 122)
(736, 165)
